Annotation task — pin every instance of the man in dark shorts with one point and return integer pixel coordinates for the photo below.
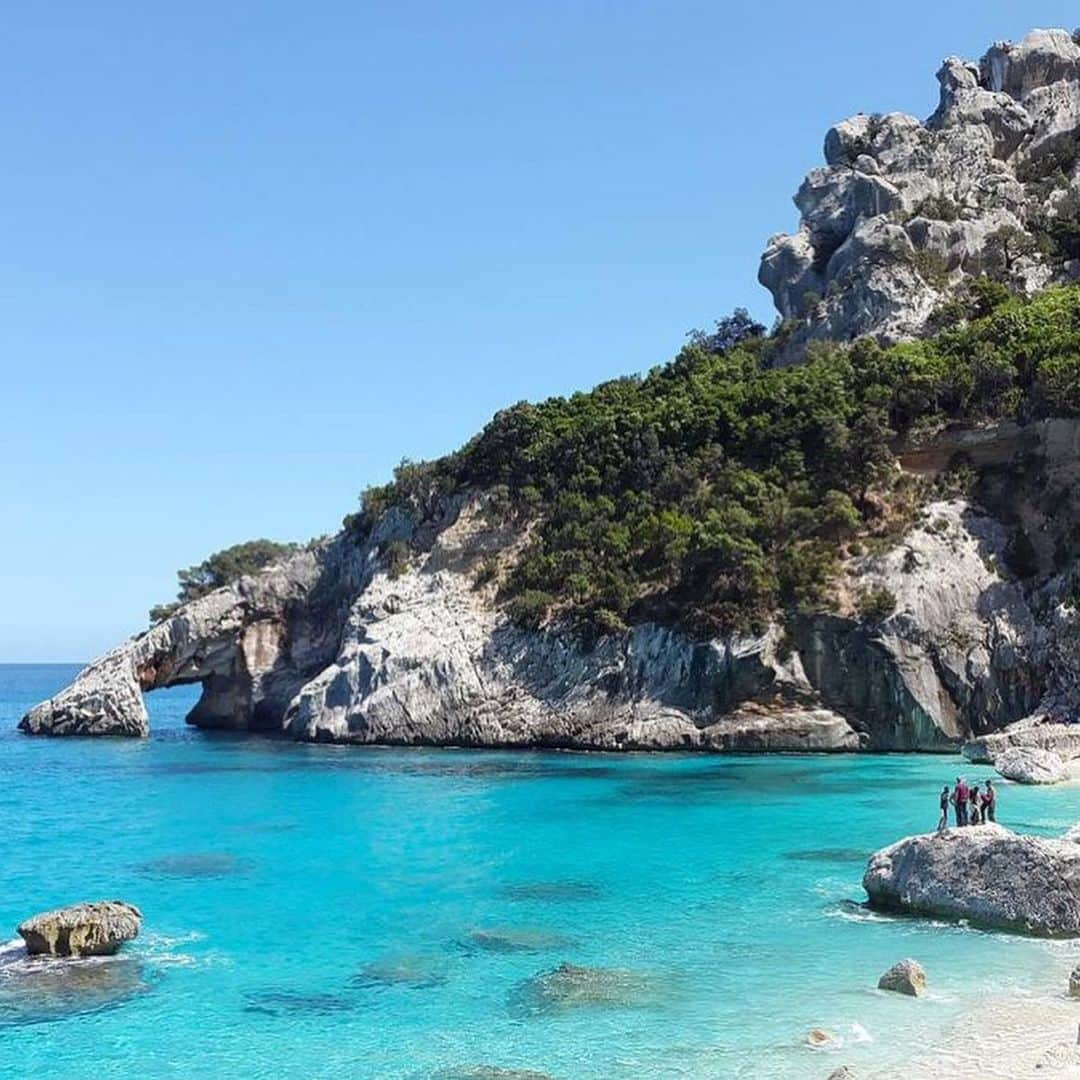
(989, 802)
(943, 821)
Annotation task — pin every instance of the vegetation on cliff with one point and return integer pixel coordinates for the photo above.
(718, 489)
(221, 568)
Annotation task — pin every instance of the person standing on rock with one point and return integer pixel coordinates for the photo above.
(974, 812)
(943, 821)
(989, 802)
(960, 801)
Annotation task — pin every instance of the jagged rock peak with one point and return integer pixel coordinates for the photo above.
(904, 211)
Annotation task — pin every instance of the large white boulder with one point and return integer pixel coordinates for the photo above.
(988, 875)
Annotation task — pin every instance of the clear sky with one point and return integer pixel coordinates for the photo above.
(255, 253)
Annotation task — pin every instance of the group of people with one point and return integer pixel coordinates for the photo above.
(972, 807)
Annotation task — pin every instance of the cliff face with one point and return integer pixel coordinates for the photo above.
(328, 646)
(904, 211)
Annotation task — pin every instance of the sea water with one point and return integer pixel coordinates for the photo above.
(318, 911)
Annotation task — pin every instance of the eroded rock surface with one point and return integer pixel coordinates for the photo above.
(97, 928)
(903, 210)
(985, 874)
(1027, 765)
(905, 977)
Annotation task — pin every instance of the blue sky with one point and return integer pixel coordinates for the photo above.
(254, 254)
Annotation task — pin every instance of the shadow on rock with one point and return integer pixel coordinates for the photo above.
(197, 866)
(514, 939)
(570, 987)
(39, 989)
(290, 1003)
(412, 971)
(555, 892)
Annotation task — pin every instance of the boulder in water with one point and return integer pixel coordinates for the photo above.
(906, 977)
(1074, 982)
(845, 1072)
(1030, 765)
(988, 875)
(98, 928)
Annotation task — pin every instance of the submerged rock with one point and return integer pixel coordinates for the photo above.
(288, 1003)
(553, 891)
(487, 1072)
(196, 866)
(98, 928)
(987, 875)
(415, 971)
(905, 977)
(515, 939)
(39, 989)
(1031, 766)
(570, 987)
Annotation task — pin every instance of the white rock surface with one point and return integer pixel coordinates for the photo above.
(1031, 766)
(984, 874)
(903, 211)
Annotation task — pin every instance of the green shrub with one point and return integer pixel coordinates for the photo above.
(530, 608)
(396, 555)
(876, 604)
(222, 568)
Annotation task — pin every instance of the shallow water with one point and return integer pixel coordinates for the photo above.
(332, 912)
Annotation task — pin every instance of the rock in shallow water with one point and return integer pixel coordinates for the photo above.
(984, 874)
(1029, 765)
(36, 990)
(906, 977)
(570, 986)
(515, 939)
(417, 972)
(90, 929)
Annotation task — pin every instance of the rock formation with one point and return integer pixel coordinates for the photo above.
(903, 210)
(331, 646)
(91, 929)
(984, 874)
(905, 977)
(1035, 732)
(1031, 766)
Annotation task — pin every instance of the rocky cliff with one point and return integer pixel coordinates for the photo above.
(333, 646)
(904, 211)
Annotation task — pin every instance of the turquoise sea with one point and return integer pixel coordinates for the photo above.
(313, 911)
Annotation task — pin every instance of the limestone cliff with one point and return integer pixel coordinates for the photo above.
(330, 646)
(904, 211)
